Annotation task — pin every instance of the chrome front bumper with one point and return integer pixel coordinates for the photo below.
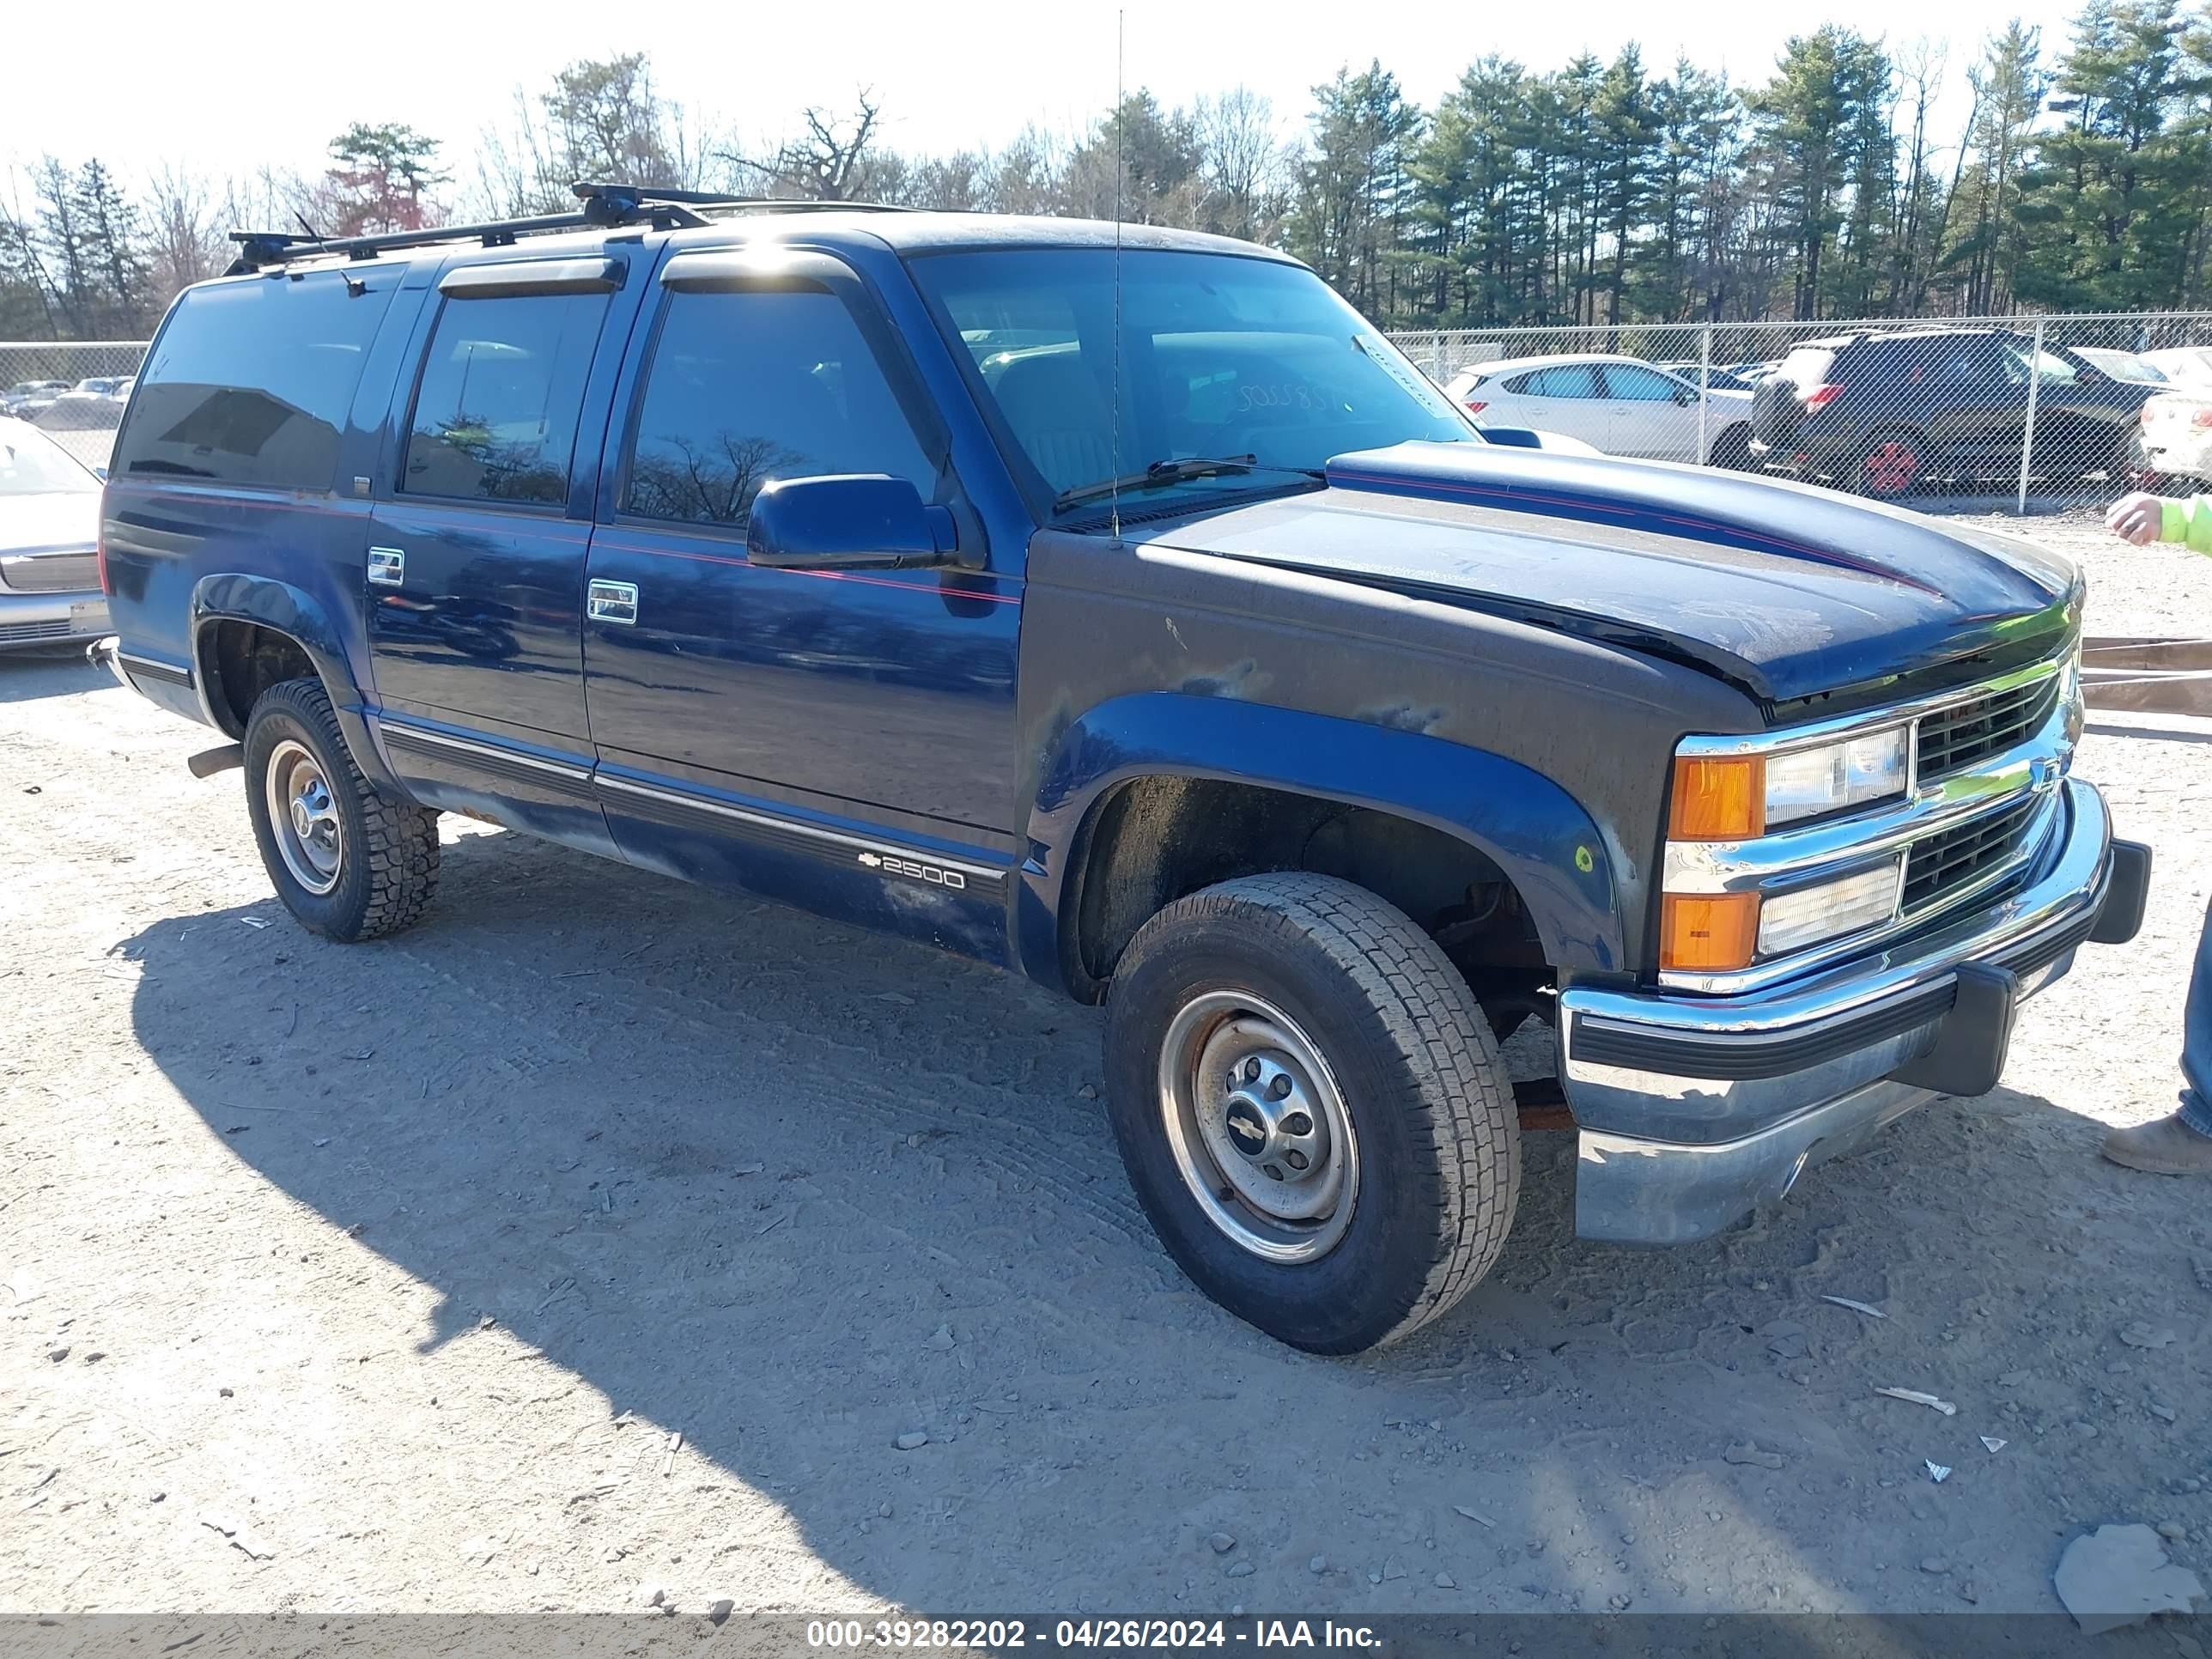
(1694, 1111)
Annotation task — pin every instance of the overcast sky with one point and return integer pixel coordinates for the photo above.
(225, 88)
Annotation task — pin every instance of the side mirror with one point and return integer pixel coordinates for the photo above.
(848, 522)
(1685, 395)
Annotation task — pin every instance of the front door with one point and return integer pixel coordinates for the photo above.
(1649, 414)
(816, 734)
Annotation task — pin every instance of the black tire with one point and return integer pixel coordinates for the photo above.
(386, 851)
(1731, 450)
(1432, 1118)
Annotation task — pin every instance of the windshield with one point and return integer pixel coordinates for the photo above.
(2120, 365)
(1224, 358)
(32, 465)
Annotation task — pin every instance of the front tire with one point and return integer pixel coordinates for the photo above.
(350, 863)
(1311, 1109)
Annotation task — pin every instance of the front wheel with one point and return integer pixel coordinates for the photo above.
(350, 863)
(1311, 1109)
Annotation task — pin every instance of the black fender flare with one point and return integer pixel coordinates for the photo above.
(1556, 856)
(279, 606)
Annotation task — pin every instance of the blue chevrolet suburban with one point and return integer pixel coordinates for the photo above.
(1117, 606)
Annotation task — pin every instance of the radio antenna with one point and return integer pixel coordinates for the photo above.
(1113, 460)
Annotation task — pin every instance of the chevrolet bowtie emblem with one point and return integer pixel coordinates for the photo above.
(870, 859)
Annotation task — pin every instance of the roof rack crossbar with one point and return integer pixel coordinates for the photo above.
(604, 207)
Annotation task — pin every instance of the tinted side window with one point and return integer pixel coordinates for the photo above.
(495, 415)
(251, 382)
(1567, 380)
(1640, 386)
(747, 388)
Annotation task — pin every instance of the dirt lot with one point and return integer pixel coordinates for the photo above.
(387, 1277)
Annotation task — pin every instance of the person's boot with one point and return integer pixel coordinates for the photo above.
(2164, 1145)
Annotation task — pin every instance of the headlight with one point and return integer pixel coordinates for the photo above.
(1736, 797)
(1811, 782)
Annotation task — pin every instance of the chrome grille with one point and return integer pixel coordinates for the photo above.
(49, 573)
(1944, 864)
(1966, 733)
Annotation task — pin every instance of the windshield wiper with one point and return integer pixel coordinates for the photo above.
(1160, 474)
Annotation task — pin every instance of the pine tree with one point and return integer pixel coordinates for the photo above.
(2106, 205)
(1351, 189)
(1623, 133)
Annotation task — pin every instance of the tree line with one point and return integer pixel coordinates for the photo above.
(1598, 192)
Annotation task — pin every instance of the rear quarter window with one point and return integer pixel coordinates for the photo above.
(250, 381)
(1807, 366)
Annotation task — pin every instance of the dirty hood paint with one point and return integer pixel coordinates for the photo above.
(1785, 589)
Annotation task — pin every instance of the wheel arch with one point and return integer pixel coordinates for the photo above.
(249, 632)
(1125, 784)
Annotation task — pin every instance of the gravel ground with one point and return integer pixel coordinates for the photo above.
(603, 1233)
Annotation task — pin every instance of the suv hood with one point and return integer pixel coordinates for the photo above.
(1785, 590)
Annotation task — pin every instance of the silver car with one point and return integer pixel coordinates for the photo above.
(49, 542)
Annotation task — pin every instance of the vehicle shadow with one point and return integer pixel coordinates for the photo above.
(46, 671)
(795, 1192)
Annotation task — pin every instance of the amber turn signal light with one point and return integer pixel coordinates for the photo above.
(1708, 933)
(1719, 800)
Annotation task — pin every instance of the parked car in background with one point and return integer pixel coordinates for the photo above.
(2128, 366)
(1720, 379)
(49, 542)
(2176, 441)
(27, 397)
(81, 411)
(2184, 365)
(1888, 413)
(1621, 405)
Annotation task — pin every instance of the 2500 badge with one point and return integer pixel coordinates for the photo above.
(935, 875)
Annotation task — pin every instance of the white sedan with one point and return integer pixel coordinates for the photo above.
(1621, 405)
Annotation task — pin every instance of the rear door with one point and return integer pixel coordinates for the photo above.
(475, 574)
(1564, 398)
(1976, 403)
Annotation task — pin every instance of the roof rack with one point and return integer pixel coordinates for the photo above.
(604, 207)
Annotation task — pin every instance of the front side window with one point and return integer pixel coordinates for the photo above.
(747, 388)
(1627, 383)
(1222, 357)
(495, 415)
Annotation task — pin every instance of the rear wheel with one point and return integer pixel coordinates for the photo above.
(350, 863)
(1731, 450)
(1311, 1109)
(1890, 465)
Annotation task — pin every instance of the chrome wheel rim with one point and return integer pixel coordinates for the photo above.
(303, 817)
(1258, 1126)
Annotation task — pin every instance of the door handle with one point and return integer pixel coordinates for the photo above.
(611, 602)
(387, 567)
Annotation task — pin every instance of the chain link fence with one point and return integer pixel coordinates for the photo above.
(2032, 413)
(71, 390)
